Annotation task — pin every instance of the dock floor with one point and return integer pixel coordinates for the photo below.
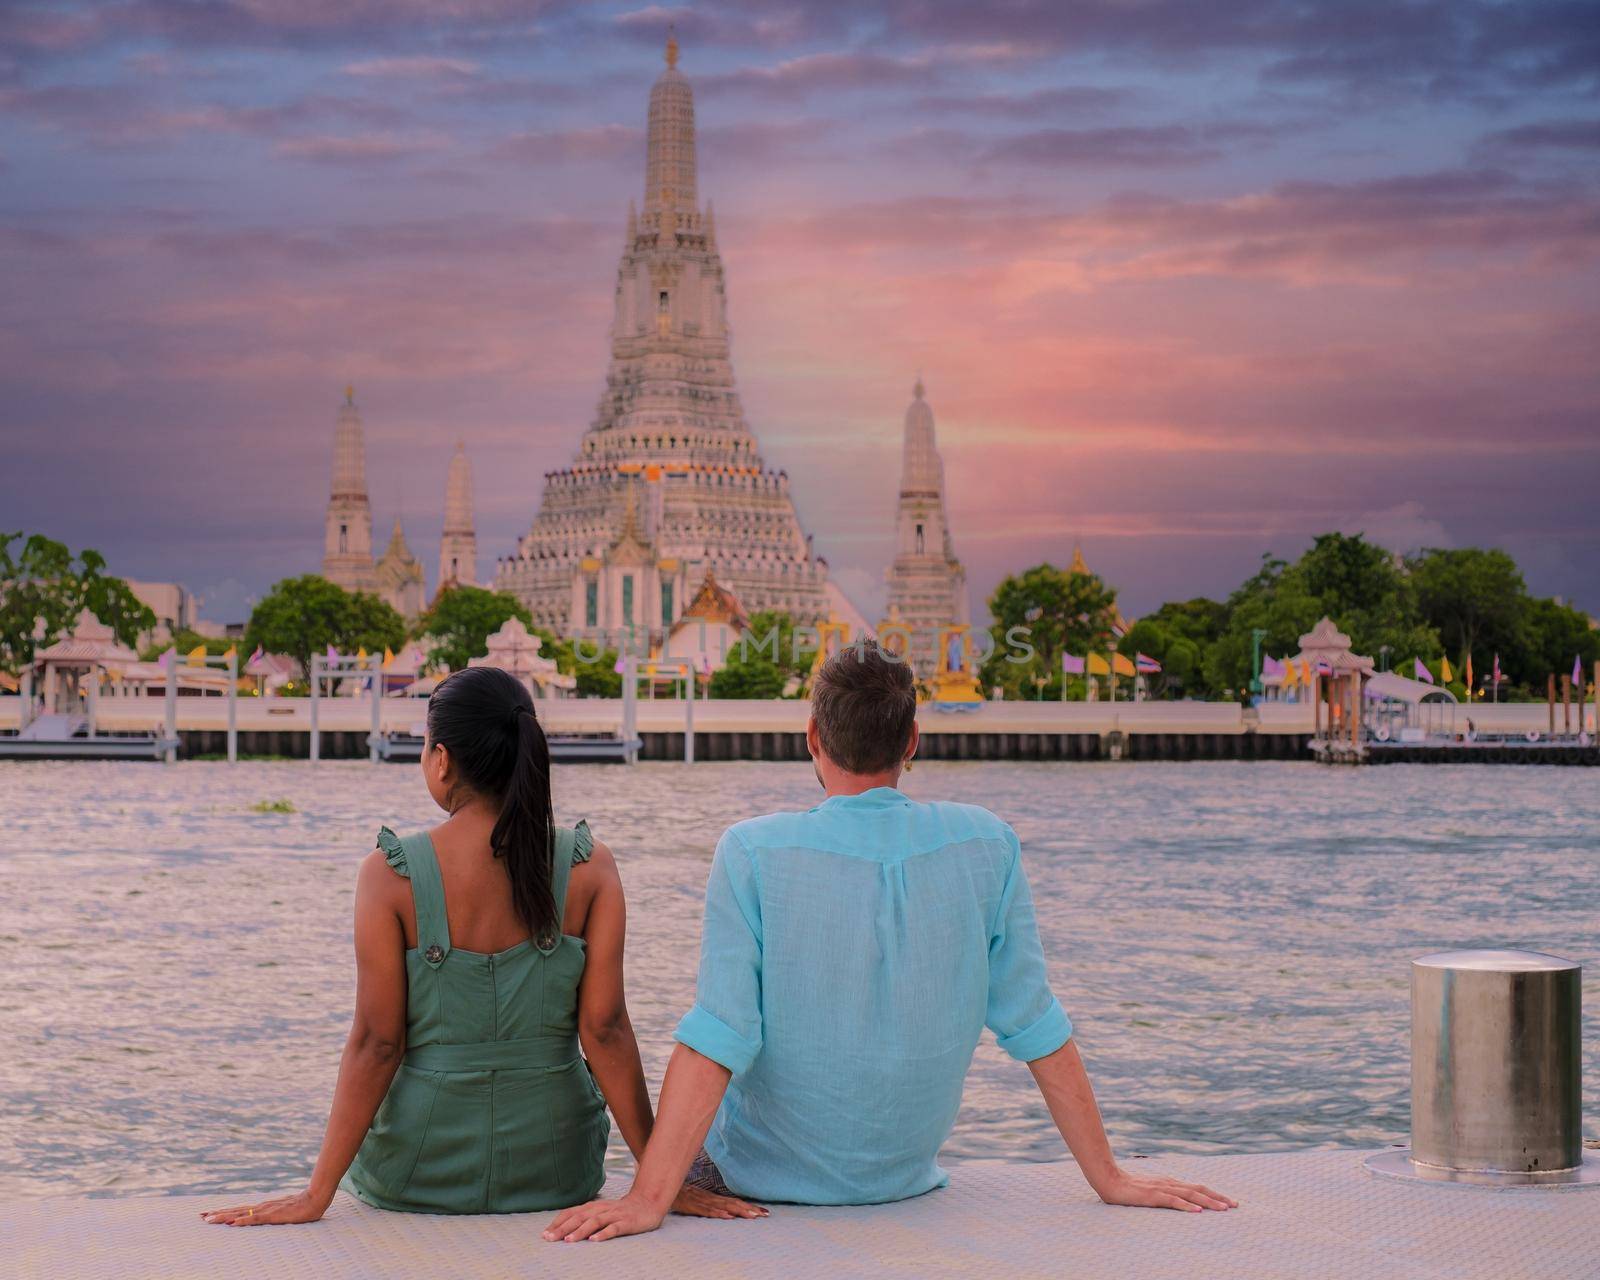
(1304, 1215)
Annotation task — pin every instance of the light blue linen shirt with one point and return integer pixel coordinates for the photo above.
(851, 957)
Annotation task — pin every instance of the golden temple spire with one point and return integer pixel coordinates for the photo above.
(672, 48)
(349, 395)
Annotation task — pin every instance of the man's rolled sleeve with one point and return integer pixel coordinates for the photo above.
(725, 1022)
(1026, 1018)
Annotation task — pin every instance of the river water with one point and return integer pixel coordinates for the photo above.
(1231, 940)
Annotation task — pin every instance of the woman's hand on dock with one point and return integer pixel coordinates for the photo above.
(1162, 1193)
(281, 1211)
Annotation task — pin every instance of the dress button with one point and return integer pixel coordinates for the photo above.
(434, 954)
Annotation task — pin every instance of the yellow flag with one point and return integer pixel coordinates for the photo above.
(1469, 675)
(1305, 672)
(361, 655)
(388, 657)
(1122, 664)
(1097, 666)
(197, 656)
(232, 651)
(1290, 678)
(1444, 671)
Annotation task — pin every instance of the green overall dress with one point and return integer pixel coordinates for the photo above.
(493, 1109)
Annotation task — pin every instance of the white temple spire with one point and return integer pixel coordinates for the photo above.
(669, 180)
(347, 535)
(458, 549)
(927, 584)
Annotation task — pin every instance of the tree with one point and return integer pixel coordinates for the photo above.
(461, 620)
(303, 616)
(1475, 599)
(185, 641)
(597, 674)
(43, 580)
(1552, 635)
(1359, 585)
(1053, 611)
(764, 661)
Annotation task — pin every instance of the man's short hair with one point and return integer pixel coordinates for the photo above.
(864, 702)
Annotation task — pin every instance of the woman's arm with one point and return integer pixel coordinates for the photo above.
(604, 1030)
(371, 1054)
(608, 1040)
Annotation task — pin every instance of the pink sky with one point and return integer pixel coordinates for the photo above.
(1188, 283)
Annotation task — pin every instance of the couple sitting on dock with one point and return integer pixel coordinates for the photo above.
(851, 956)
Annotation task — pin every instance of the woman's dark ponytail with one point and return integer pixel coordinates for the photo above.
(484, 718)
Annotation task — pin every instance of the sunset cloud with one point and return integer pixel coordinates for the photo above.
(1188, 283)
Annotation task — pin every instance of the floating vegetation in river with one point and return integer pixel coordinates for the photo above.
(273, 806)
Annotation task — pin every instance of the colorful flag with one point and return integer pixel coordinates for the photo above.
(333, 654)
(1469, 677)
(1444, 669)
(1577, 670)
(388, 657)
(1095, 665)
(1421, 672)
(1271, 668)
(1145, 665)
(361, 653)
(1324, 667)
(1305, 671)
(1497, 676)
(1289, 676)
(255, 657)
(197, 656)
(1121, 664)
(618, 667)
(1071, 666)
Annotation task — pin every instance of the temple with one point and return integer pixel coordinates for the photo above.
(668, 483)
(927, 584)
(347, 537)
(458, 549)
(399, 577)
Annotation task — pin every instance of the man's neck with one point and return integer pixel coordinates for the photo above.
(839, 783)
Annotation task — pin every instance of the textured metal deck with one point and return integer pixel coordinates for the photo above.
(1314, 1214)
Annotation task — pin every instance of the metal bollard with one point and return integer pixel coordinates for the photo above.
(1496, 1078)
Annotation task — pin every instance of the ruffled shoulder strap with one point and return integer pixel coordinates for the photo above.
(414, 858)
(394, 851)
(582, 842)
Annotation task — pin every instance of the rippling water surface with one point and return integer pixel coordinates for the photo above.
(1230, 939)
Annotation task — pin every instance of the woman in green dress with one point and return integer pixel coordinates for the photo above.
(491, 1032)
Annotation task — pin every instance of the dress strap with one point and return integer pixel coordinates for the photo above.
(427, 896)
(561, 846)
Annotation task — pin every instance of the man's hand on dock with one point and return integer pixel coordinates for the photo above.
(1162, 1193)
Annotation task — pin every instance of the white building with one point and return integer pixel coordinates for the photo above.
(458, 548)
(668, 482)
(927, 584)
(347, 533)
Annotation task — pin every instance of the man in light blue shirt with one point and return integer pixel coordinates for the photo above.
(851, 957)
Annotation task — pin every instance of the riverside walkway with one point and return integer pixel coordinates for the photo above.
(1301, 1216)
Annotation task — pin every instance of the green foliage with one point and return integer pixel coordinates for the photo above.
(1356, 583)
(461, 620)
(185, 641)
(764, 662)
(303, 616)
(1474, 599)
(1551, 635)
(42, 579)
(273, 806)
(597, 676)
(1047, 611)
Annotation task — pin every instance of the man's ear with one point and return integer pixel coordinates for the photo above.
(813, 743)
(916, 739)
